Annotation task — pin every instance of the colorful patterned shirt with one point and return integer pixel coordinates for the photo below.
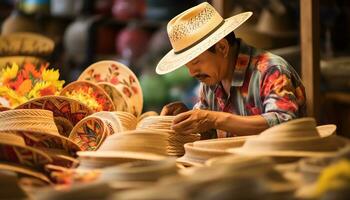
(263, 84)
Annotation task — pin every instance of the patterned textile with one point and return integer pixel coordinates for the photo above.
(263, 84)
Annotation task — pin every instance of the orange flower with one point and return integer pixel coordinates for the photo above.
(50, 90)
(25, 87)
(29, 69)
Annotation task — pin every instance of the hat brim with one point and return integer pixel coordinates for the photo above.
(172, 61)
(49, 141)
(324, 131)
(188, 162)
(63, 108)
(23, 170)
(24, 155)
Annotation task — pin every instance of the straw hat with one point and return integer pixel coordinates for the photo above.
(163, 124)
(140, 170)
(113, 122)
(14, 150)
(196, 156)
(24, 171)
(89, 133)
(194, 31)
(137, 141)
(101, 159)
(296, 138)
(222, 143)
(127, 119)
(67, 112)
(25, 44)
(38, 129)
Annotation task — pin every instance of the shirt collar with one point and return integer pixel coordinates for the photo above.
(242, 63)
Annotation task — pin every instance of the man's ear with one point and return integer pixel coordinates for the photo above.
(222, 47)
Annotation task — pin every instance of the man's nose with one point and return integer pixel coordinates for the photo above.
(193, 71)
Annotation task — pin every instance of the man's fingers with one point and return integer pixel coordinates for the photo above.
(181, 117)
(165, 111)
(183, 125)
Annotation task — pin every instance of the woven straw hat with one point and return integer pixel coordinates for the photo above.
(137, 141)
(296, 138)
(101, 159)
(67, 112)
(25, 44)
(14, 150)
(20, 169)
(194, 31)
(38, 129)
(196, 156)
(163, 124)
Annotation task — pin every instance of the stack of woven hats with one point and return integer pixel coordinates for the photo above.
(30, 139)
(125, 147)
(163, 124)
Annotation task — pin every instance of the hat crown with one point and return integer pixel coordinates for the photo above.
(192, 26)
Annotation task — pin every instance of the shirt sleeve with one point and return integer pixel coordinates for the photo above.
(280, 95)
(202, 102)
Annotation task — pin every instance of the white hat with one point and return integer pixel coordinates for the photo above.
(194, 31)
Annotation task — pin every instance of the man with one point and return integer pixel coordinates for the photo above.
(243, 90)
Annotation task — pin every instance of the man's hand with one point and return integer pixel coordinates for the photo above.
(174, 108)
(194, 121)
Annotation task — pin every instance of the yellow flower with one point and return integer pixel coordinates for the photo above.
(9, 98)
(9, 73)
(85, 98)
(35, 92)
(50, 75)
(335, 176)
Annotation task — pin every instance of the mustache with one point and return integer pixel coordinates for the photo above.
(201, 75)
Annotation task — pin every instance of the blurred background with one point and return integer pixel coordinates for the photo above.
(134, 33)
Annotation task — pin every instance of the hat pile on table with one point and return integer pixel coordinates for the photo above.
(30, 140)
(163, 124)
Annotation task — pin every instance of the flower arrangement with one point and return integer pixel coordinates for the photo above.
(20, 84)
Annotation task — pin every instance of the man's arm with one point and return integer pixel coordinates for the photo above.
(240, 125)
(198, 121)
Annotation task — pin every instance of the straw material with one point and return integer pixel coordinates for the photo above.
(222, 143)
(89, 133)
(163, 124)
(14, 150)
(25, 44)
(140, 171)
(37, 127)
(128, 120)
(101, 159)
(137, 141)
(297, 138)
(196, 156)
(24, 120)
(67, 112)
(25, 171)
(112, 121)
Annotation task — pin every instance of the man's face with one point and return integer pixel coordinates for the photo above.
(206, 68)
